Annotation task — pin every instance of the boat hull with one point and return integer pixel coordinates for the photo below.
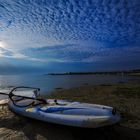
(68, 113)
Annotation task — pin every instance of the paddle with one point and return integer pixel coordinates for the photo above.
(11, 94)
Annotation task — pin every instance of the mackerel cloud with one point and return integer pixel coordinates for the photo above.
(116, 21)
(113, 23)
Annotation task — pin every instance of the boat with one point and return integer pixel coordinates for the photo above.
(63, 112)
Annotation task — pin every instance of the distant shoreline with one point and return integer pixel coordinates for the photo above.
(126, 72)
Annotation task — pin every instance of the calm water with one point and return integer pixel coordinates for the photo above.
(48, 83)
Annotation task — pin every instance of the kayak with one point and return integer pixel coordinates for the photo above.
(65, 112)
(62, 112)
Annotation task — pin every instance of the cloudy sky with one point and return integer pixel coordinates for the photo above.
(69, 35)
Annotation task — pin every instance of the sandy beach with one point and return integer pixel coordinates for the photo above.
(124, 96)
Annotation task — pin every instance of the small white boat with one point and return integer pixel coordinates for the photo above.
(60, 111)
(65, 112)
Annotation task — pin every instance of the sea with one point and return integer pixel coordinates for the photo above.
(49, 83)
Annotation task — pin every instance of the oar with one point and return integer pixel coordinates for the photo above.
(10, 94)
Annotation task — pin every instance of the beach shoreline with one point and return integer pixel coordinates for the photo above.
(123, 96)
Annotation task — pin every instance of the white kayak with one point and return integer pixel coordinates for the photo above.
(68, 113)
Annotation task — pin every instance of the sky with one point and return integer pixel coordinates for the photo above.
(44, 36)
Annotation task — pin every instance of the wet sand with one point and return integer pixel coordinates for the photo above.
(124, 96)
